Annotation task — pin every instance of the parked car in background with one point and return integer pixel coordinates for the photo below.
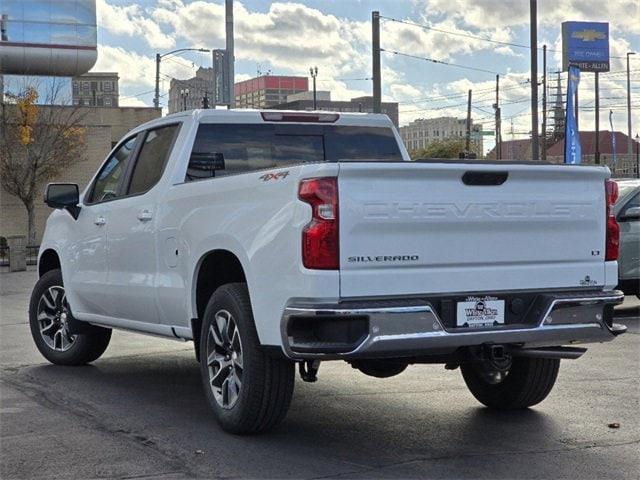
(627, 211)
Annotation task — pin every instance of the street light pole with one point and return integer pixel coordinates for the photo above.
(314, 73)
(629, 149)
(184, 93)
(159, 57)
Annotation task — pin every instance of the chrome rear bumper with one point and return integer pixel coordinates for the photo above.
(401, 328)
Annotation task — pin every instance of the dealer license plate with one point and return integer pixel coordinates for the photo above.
(480, 312)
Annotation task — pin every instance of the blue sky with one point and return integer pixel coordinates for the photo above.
(289, 37)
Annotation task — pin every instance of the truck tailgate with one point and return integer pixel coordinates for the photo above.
(418, 228)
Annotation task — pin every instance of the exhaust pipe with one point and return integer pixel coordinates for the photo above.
(569, 353)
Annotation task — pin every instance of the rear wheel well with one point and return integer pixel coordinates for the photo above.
(49, 260)
(217, 268)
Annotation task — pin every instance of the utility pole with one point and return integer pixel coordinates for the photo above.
(577, 109)
(375, 44)
(156, 98)
(597, 145)
(544, 103)
(467, 145)
(230, 52)
(314, 73)
(496, 107)
(533, 10)
(629, 141)
(637, 156)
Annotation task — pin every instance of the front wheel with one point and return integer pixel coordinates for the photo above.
(50, 319)
(527, 382)
(248, 390)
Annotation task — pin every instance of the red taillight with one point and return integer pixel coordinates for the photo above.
(320, 237)
(613, 229)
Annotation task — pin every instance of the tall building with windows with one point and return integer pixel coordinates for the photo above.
(268, 90)
(95, 89)
(192, 92)
(423, 131)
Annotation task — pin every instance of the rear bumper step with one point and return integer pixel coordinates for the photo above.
(406, 328)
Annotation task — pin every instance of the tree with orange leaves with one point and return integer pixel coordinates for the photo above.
(36, 143)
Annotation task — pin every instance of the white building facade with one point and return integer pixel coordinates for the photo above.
(424, 131)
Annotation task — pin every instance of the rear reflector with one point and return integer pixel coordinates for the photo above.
(320, 237)
(612, 249)
(300, 117)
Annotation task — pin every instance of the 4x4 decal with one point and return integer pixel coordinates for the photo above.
(274, 176)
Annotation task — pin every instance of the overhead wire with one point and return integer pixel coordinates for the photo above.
(440, 62)
(471, 36)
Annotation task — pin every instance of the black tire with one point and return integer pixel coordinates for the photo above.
(83, 347)
(264, 396)
(527, 383)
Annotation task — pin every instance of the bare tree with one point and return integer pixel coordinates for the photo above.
(37, 141)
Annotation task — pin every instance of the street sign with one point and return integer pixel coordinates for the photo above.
(585, 45)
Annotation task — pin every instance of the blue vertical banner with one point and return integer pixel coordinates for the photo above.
(572, 149)
(613, 139)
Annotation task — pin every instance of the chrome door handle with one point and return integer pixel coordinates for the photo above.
(100, 221)
(145, 215)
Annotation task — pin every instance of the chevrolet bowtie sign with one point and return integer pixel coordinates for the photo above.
(586, 46)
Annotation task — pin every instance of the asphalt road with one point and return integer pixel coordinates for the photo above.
(138, 412)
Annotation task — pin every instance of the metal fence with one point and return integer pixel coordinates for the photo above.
(32, 254)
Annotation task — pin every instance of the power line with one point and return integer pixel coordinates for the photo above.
(137, 94)
(441, 62)
(469, 35)
(438, 98)
(459, 34)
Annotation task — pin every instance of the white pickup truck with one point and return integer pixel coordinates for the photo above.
(274, 238)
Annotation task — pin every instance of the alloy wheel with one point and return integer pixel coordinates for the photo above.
(224, 359)
(53, 319)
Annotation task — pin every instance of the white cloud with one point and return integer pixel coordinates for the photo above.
(241, 77)
(290, 36)
(132, 21)
(132, 102)
(622, 14)
(138, 71)
(134, 69)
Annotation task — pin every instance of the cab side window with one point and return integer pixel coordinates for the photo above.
(152, 159)
(108, 182)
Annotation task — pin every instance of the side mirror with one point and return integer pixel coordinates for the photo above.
(63, 195)
(204, 165)
(632, 213)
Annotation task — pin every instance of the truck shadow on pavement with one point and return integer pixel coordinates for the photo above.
(164, 393)
(158, 401)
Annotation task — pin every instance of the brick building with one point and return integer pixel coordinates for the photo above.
(95, 89)
(626, 165)
(105, 127)
(268, 90)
